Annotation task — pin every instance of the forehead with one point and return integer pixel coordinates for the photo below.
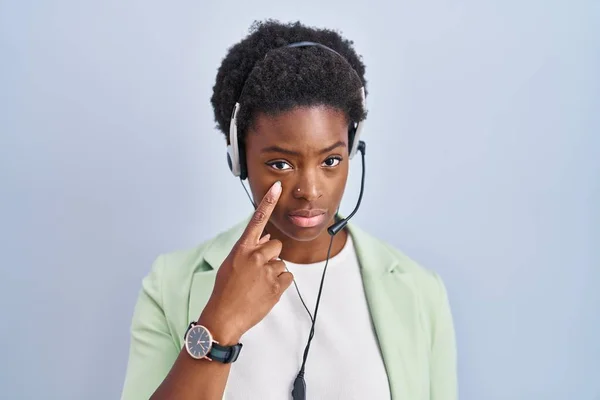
(302, 128)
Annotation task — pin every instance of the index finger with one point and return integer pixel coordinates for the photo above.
(261, 216)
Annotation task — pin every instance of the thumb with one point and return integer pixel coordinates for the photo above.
(285, 280)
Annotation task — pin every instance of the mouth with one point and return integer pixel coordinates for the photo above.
(307, 218)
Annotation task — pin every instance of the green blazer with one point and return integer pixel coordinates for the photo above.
(408, 304)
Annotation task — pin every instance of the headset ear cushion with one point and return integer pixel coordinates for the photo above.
(354, 138)
(243, 174)
(351, 134)
(232, 162)
(229, 162)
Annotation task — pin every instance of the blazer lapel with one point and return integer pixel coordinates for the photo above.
(203, 279)
(393, 306)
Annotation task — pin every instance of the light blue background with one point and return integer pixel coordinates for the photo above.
(483, 146)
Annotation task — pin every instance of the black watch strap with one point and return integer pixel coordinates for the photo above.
(225, 354)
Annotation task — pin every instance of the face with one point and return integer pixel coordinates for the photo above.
(307, 150)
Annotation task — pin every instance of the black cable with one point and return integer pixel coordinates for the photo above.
(312, 329)
(248, 193)
(302, 300)
(299, 389)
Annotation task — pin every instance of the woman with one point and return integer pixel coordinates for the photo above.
(221, 321)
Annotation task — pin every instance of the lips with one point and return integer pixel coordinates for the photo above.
(307, 218)
(307, 213)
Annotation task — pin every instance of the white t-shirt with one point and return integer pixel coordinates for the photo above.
(344, 361)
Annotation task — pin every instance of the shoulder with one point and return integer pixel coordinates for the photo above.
(411, 298)
(381, 257)
(174, 270)
(180, 282)
(426, 279)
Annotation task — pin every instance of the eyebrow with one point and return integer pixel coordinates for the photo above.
(278, 149)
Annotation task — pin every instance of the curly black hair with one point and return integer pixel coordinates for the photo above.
(267, 77)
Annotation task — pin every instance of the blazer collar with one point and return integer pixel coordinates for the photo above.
(374, 257)
(222, 244)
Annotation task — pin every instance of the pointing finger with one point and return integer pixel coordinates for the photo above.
(251, 235)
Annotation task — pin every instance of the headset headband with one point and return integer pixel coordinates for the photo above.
(234, 150)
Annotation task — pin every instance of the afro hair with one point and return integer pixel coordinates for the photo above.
(265, 76)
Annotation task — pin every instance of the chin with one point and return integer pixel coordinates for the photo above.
(298, 233)
(304, 234)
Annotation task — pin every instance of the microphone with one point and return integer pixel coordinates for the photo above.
(338, 226)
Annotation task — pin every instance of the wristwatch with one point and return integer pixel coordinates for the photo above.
(199, 344)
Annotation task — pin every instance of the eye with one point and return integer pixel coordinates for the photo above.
(279, 165)
(332, 161)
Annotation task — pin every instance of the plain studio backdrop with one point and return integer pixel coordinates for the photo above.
(483, 146)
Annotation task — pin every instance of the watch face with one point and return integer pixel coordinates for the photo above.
(198, 341)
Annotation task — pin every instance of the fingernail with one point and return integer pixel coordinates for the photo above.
(264, 239)
(277, 187)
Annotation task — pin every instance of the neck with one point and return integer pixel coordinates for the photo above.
(308, 252)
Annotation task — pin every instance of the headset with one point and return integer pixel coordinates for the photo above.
(237, 165)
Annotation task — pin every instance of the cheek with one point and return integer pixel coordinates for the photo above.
(258, 181)
(258, 189)
(261, 183)
(337, 185)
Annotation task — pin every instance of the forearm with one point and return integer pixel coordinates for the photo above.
(194, 379)
(203, 379)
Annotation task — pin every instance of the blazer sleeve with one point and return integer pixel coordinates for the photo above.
(443, 372)
(152, 350)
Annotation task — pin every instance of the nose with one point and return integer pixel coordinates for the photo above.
(308, 186)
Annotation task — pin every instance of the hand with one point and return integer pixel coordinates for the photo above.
(250, 281)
